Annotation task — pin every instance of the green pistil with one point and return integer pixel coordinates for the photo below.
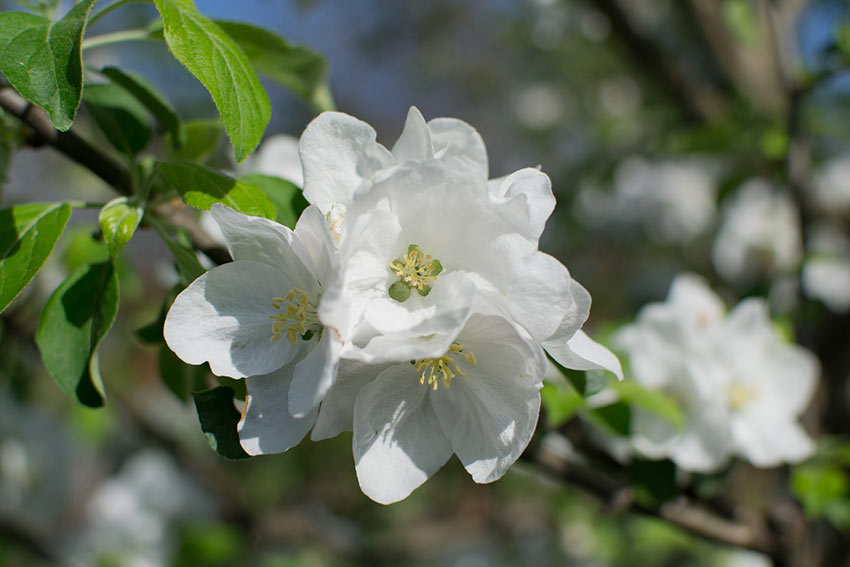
(416, 270)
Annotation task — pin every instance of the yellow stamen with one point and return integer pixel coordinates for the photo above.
(416, 268)
(443, 369)
(296, 317)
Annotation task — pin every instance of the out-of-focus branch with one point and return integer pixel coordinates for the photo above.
(684, 512)
(698, 100)
(18, 535)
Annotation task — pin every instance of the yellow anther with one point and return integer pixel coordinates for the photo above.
(416, 268)
(443, 369)
(740, 395)
(296, 317)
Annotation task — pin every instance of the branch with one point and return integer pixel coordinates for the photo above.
(699, 101)
(684, 513)
(68, 143)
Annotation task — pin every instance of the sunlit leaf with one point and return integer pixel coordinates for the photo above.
(560, 403)
(296, 67)
(27, 236)
(201, 138)
(201, 188)
(221, 66)
(287, 197)
(653, 401)
(42, 59)
(77, 316)
(118, 221)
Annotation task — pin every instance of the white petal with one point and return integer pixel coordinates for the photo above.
(263, 240)
(583, 353)
(312, 230)
(223, 318)
(767, 442)
(414, 144)
(266, 425)
(490, 413)
(339, 153)
(527, 199)
(455, 138)
(314, 374)
(336, 413)
(398, 442)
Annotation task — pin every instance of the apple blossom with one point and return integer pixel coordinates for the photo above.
(741, 388)
(257, 317)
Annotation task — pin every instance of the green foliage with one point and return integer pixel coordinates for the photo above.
(654, 481)
(655, 402)
(286, 196)
(119, 219)
(42, 60)
(201, 188)
(121, 118)
(187, 263)
(560, 403)
(181, 378)
(215, 60)
(148, 95)
(27, 236)
(219, 418)
(77, 316)
(614, 418)
(201, 138)
(296, 67)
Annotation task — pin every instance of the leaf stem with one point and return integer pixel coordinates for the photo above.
(115, 37)
(110, 8)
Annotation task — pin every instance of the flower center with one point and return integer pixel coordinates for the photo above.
(415, 270)
(740, 395)
(296, 317)
(435, 370)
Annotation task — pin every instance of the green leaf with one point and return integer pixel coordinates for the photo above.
(561, 402)
(297, 68)
(27, 236)
(655, 402)
(655, 481)
(219, 418)
(201, 188)
(187, 263)
(75, 319)
(121, 118)
(148, 95)
(181, 378)
(616, 418)
(42, 60)
(201, 139)
(215, 60)
(118, 221)
(285, 195)
(818, 485)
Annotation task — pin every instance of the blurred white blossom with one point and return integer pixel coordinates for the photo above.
(759, 236)
(740, 386)
(831, 186)
(826, 272)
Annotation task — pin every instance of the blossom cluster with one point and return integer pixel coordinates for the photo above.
(411, 305)
(740, 386)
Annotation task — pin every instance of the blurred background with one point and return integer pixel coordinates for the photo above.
(694, 135)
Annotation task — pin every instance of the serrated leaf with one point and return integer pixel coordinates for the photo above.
(219, 419)
(148, 95)
(215, 60)
(121, 118)
(287, 197)
(42, 60)
(201, 187)
(201, 138)
(560, 403)
(655, 402)
(118, 221)
(28, 234)
(296, 67)
(76, 318)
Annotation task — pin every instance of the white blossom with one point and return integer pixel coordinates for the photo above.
(740, 386)
(257, 317)
(759, 236)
